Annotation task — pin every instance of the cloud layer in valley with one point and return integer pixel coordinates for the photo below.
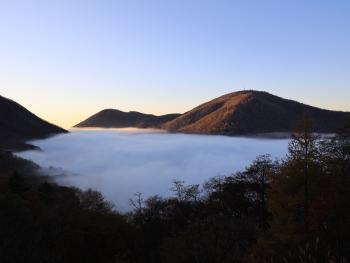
(122, 162)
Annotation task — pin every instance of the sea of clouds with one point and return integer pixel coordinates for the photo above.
(121, 162)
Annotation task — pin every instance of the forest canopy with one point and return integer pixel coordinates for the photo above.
(291, 210)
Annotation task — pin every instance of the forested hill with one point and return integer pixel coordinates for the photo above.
(111, 118)
(247, 112)
(18, 125)
(254, 112)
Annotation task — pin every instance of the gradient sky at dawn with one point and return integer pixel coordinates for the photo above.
(66, 60)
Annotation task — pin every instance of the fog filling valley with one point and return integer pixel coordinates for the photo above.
(121, 162)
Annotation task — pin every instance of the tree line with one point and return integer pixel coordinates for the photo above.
(291, 210)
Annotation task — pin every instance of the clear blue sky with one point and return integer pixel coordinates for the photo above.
(66, 60)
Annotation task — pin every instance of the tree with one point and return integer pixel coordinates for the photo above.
(295, 186)
(94, 201)
(137, 202)
(258, 176)
(186, 192)
(333, 215)
(303, 153)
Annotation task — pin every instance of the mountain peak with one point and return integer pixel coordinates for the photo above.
(239, 112)
(251, 112)
(112, 118)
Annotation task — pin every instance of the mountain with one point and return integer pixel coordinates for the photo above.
(111, 118)
(254, 112)
(18, 125)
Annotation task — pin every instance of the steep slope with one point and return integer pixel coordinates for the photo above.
(251, 112)
(111, 118)
(18, 125)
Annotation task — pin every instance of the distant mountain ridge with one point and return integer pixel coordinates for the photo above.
(111, 118)
(18, 125)
(237, 113)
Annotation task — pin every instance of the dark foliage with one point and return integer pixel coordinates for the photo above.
(293, 210)
(43, 222)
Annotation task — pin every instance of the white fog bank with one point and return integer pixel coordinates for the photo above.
(122, 162)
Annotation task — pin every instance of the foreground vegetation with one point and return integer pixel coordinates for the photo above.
(291, 210)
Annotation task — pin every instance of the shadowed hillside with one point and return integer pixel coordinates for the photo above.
(252, 112)
(111, 118)
(18, 125)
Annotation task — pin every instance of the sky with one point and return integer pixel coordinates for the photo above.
(66, 60)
